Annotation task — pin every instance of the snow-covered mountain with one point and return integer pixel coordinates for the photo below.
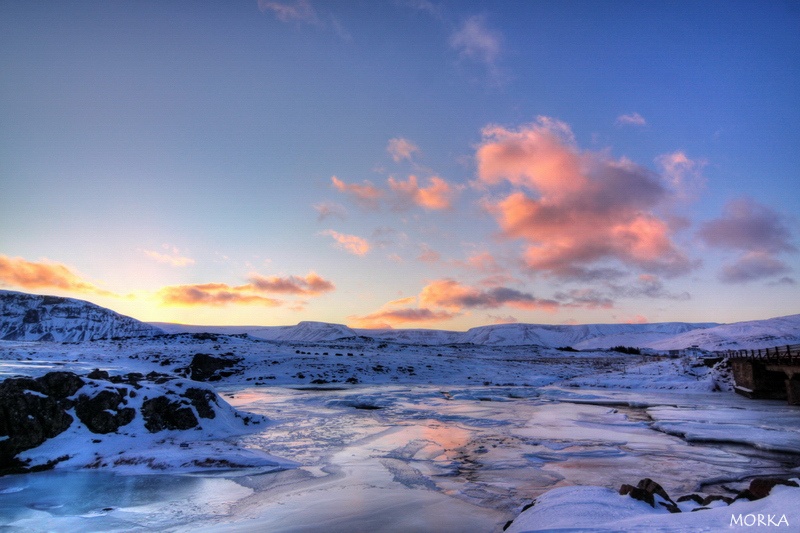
(740, 335)
(659, 336)
(306, 331)
(31, 317)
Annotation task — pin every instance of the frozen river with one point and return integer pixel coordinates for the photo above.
(425, 458)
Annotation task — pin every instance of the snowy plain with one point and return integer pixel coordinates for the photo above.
(368, 434)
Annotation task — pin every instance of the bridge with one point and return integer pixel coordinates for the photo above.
(767, 373)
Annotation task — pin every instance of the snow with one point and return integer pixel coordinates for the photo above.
(29, 317)
(599, 509)
(379, 433)
(657, 336)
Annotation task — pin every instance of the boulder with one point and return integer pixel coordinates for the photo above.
(761, 487)
(637, 494)
(160, 413)
(201, 400)
(102, 413)
(60, 385)
(28, 417)
(205, 367)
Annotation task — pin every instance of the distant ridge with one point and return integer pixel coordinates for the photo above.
(660, 336)
(31, 317)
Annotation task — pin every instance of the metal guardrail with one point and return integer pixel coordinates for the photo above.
(788, 354)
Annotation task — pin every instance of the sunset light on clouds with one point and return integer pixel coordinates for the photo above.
(403, 164)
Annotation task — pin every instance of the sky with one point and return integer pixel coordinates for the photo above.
(403, 163)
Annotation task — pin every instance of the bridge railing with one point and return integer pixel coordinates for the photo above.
(787, 354)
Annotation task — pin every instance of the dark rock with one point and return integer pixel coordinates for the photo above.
(204, 367)
(28, 417)
(761, 487)
(745, 495)
(101, 413)
(693, 497)
(637, 494)
(97, 374)
(202, 399)
(654, 488)
(60, 385)
(160, 413)
(716, 497)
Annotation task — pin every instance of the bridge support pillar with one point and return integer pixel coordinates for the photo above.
(793, 389)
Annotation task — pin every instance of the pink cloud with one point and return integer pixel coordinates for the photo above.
(581, 209)
(636, 319)
(173, 257)
(351, 243)
(450, 294)
(400, 148)
(311, 285)
(389, 318)
(366, 194)
(17, 272)
(437, 195)
(429, 255)
(500, 319)
(684, 175)
(330, 209)
(213, 294)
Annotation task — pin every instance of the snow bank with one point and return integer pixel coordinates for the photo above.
(600, 509)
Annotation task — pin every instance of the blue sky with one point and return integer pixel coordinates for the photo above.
(403, 163)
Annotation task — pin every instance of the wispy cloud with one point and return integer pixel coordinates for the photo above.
(18, 272)
(330, 209)
(400, 148)
(172, 256)
(437, 195)
(586, 209)
(753, 266)
(434, 10)
(365, 194)
(631, 119)
(302, 12)
(299, 10)
(428, 254)
(474, 40)
(350, 243)
(684, 175)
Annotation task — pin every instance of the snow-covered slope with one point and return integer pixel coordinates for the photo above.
(306, 331)
(30, 317)
(585, 336)
(658, 336)
(740, 335)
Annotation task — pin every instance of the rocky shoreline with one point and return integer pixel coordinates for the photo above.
(98, 406)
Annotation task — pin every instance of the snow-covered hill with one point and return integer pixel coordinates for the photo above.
(30, 317)
(740, 335)
(658, 336)
(306, 331)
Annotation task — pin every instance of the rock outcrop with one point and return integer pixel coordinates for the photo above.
(35, 410)
(654, 494)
